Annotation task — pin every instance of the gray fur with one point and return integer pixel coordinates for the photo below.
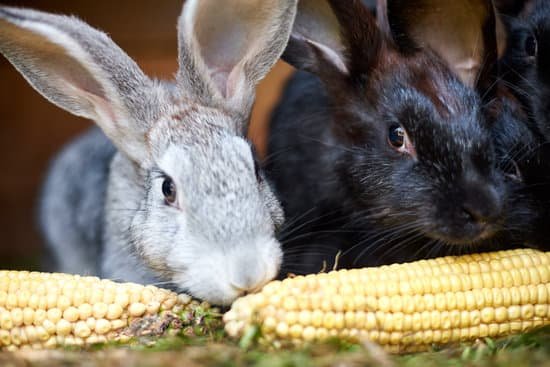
(71, 208)
(103, 210)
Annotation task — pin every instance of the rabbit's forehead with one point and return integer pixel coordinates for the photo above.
(416, 111)
(222, 161)
(189, 124)
(423, 98)
(433, 82)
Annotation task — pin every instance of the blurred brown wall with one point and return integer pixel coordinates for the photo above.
(32, 130)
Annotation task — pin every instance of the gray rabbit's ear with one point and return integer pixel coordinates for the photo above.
(461, 32)
(226, 48)
(82, 71)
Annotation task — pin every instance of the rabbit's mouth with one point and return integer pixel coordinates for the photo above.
(467, 234)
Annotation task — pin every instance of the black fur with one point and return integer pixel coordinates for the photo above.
(525, 158)
(529, 76)
(522, 131)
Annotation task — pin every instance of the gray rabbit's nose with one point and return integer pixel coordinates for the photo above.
(251, 266)
(483, 204)
(249, 284)
(250, 278)
(243, 291)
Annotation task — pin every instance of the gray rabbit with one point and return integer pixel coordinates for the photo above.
(178, 199)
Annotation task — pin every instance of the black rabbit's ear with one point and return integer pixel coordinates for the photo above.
(333, 37)
(461, 32)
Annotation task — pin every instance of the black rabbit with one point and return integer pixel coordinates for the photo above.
(526, 61)
(524, 157)
(522, 121)
(379, 148)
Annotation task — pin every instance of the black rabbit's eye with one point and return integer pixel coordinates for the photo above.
(531, 46)
(396, 136)
(513, 172)
(400, 141)
(169, 190)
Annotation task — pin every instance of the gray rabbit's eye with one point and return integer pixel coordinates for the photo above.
(531, 46)
(169, 190)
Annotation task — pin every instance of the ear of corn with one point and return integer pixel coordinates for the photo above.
(405, 307)
(48, 309)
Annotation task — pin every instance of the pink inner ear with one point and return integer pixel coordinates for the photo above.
(468, 70)
(332, 56)
(458, 36)
(222, 45)
(68, 75)
(220, 78)
(55, 61)
(77, 81)
(233, 79)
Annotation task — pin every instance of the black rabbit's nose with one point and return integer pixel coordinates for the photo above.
(476, 213)
(482, 206)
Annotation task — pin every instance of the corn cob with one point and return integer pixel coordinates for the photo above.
(43, 310)
(404, 307)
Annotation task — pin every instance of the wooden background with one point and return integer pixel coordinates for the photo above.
(32, 130)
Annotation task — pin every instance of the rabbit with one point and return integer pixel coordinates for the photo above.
(524, 63)
(520, 115)
(524, 157)
(167, 191)
(379, 151)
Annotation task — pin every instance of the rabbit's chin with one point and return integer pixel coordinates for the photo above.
(467, 235)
